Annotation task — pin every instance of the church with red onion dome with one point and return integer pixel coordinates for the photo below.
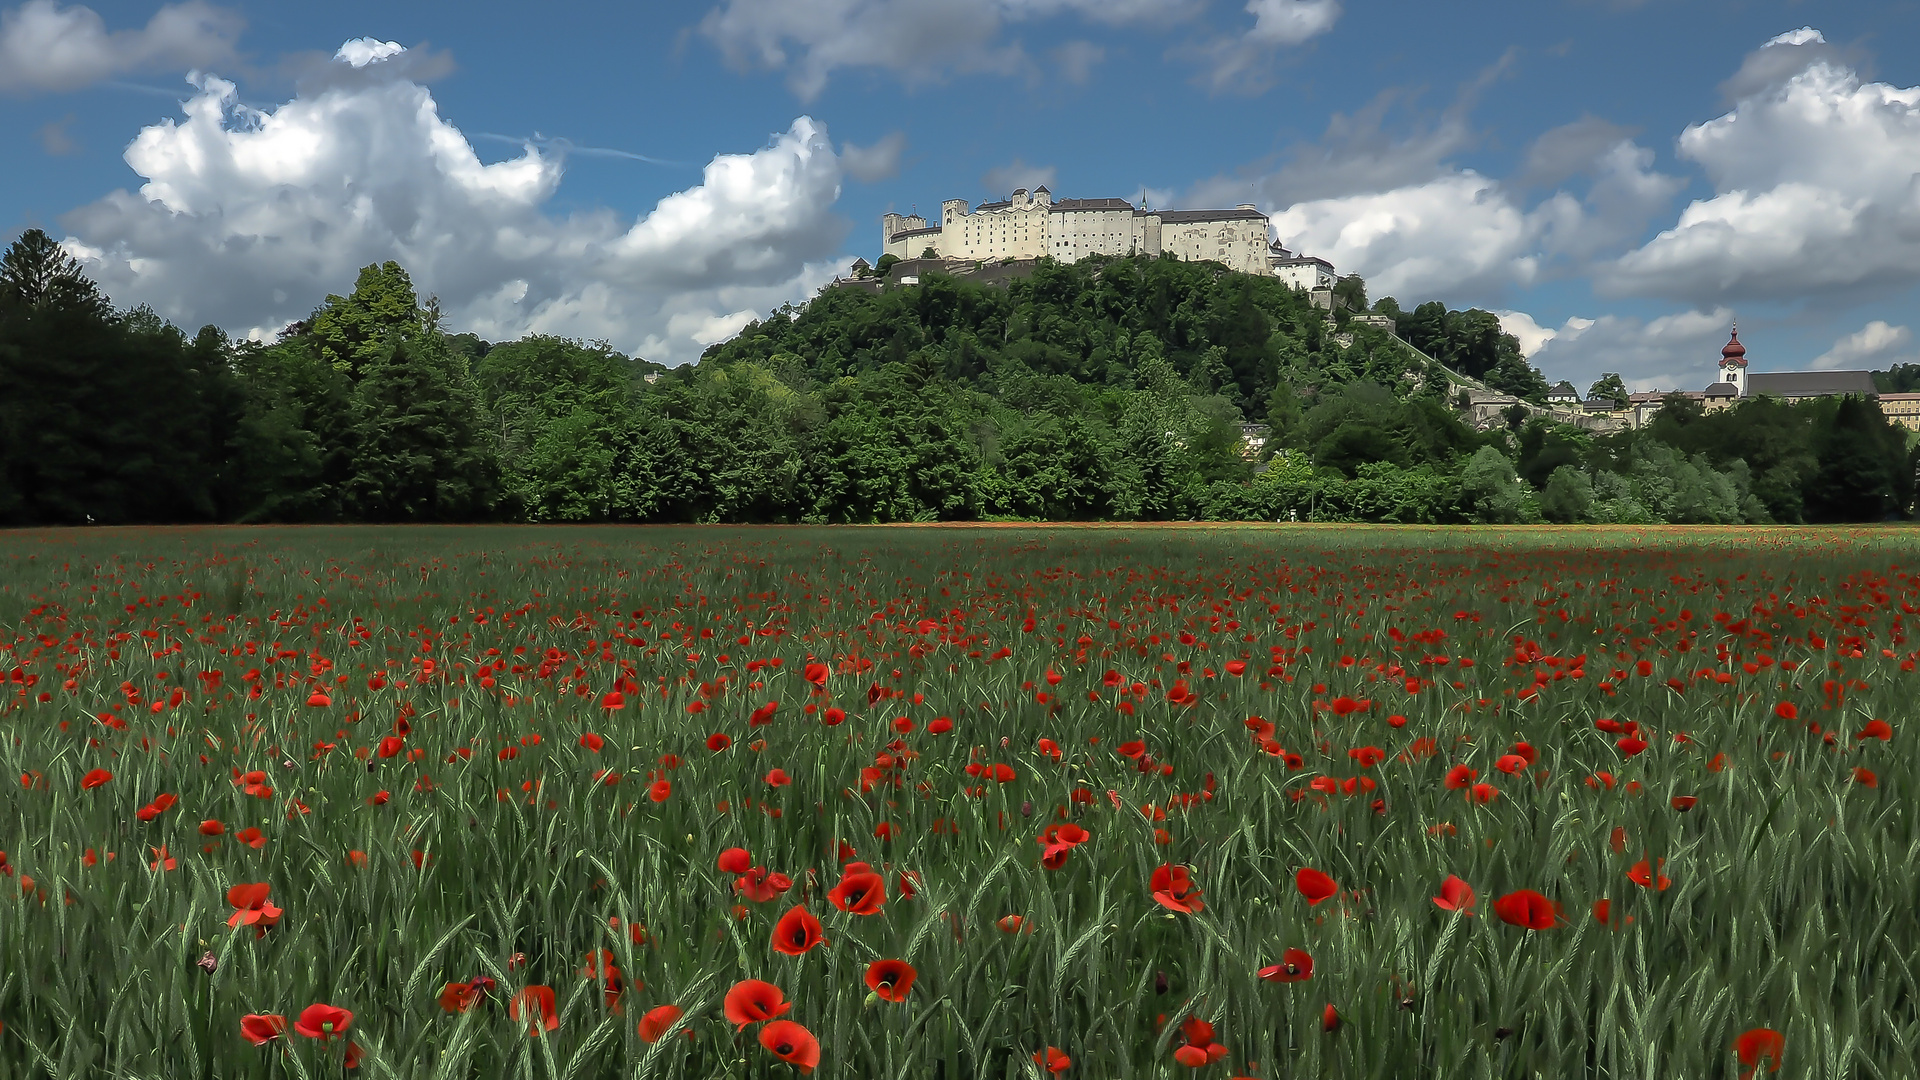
(1737, 382)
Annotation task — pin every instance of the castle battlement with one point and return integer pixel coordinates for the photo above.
(1033, 224)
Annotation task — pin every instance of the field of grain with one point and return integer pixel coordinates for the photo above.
(1117, 802)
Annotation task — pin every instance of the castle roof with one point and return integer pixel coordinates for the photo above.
(916, 232)
(1799, 384)
(1723, 389)
(1092, 204)
(1188, 217)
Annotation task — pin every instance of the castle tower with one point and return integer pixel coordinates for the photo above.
(1733, 363)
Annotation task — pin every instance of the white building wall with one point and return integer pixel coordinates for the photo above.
(1239, 244)
(1030, 225)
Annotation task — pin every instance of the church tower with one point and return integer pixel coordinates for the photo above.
(1733, 363)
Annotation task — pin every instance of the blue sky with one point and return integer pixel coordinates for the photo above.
(1621, 180)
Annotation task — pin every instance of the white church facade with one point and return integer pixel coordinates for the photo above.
(1032, 224)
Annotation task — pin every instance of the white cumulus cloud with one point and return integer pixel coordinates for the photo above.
(1525, 330)
(1456, 234)
(248, 218)
(1815, 192)
(1873, 345)
(1673, 352)
(1003, 179)
(45, 47)
(917, 41)
(1244, 61)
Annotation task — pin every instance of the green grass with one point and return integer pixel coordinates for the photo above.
(1791, 905)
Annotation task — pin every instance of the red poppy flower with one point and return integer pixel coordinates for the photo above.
(1052, 1060)
(534, 1005)
(318, 700)
(1482, 794)
(1010, 924)
(1295, 966)
(612, 700)
(1455, 895)
(323, 1021)
(1865, 777)
(759, 886)
(834, 716)
(859, 894)
(1330, 1019)
(816, 674)
(719, 741)
(1460, 776)
(654, 1025)
(391, 745)
(1173, 889)
(660, 790)
(891, 979)
(1786, 710)
(1644, 876)
(1510, 763)
(161, 860)
(592, 742)
(458, 997)
(1367, 756)
(261, 1029)
(1631, 746)
(735, 861)
(1527, 908)
(1525, 752)
(778, 778)
(1876, 729)
(797, 932)
(1684, 803)
(1314, 885)
(252, 837)
(751, 1001)
(1758, 1044)
(251, 906)
(94, 779)
(792, 1044)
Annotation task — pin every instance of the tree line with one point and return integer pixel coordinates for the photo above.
(1112, 389)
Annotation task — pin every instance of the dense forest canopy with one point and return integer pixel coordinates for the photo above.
(1110, 389)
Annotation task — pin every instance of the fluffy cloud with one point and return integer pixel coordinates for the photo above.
(918, 41)
(1242, 62)
(1873, 345)
(1395, 208)
(248, 217)
(1455, 234)
(1529, 333)
(881, 161)
(44, 47)
(1673, 352)
(999, 181)
(1814, 178)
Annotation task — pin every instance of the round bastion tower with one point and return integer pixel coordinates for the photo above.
(1733, 363)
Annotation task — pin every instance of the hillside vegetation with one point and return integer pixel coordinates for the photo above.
(1110, 389)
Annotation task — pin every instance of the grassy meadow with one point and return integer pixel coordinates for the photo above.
(967, 802)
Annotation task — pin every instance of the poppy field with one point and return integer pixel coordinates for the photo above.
(1106, 802)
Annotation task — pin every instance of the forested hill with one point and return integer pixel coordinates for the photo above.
(1112, 390)
(1103, 322)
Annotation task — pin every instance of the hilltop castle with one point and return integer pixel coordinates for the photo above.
(1033, 224)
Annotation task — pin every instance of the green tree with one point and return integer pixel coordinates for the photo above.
(1567, 498)
(421, 454)
(1490, 490)
(356, 332)
(1610, 387)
